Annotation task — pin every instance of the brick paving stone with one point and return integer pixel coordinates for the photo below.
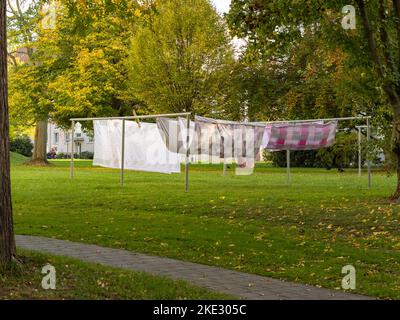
(242, 285)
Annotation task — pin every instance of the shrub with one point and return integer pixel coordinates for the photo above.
(22, 145)
(84, 155)
(61, 155)
(87, 155)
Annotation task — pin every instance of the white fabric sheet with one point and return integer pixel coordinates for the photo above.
(107, 143)
(145, 149)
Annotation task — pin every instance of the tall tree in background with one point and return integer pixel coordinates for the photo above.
(7, 243)
(178, 57)
(24, 17)
(91, 43)
(81, 70)
(274, 28)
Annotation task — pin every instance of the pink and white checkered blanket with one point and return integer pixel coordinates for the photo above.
(303, 136)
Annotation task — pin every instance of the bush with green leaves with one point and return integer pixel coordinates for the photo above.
(87, 155)
(22, 145)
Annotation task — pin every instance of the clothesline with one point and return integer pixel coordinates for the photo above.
(316, 120)
(154, 116)
(262, 123)
(123, 134)
(227, 127)
(361, 117)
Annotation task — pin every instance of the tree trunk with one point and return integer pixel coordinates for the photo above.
(7, 242)
(396, 154)
(39, 156)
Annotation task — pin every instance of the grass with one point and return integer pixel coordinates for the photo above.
(17, 159)
(78, 280)
(305, 233)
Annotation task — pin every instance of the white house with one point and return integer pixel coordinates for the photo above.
(59, 140)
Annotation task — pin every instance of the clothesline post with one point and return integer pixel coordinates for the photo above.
(187, 153)
(224, 167)
(123, 153)
(72, 148)
(359, 152)
(368, 153)
(289, 179)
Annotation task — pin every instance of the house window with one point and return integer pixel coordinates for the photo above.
(67, 137)
(90, 139)
(79, 135)
(56, 137)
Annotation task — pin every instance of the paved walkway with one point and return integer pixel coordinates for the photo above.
(243, 285)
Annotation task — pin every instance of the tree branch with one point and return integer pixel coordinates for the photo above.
(385, 38)
(13, 11)
(396, 6)
(13, 59)
(370, 37)
(388, 86)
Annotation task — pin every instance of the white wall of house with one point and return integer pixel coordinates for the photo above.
(60, 140)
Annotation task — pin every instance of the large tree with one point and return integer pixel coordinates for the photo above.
(24, 18)
(7, 243)
(274, 28)
(80, 69)
(91, 43)
(179, 55)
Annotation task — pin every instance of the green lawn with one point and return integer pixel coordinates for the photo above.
(77, 280)
(306, 232)
(17, 159)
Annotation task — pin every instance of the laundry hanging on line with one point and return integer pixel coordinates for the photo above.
(174, 134)
(213, 140)
(210, 137)
(107, 143)
(144, 147)
(239, 142)
(299, 136)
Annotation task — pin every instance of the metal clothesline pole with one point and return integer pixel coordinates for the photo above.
(359, 152)
(123, 153)
(72, 148)
(187, 153)
(368, 153)
(225, 167)
(359, 128)
(289, 178)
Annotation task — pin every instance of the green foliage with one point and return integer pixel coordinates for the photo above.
(22, 145)
(28, 97)
(28, 100)
(310, 65)
(88, 72)
(76, 69)
(86, 155)
(178, 57)
(23, 17)
(316, 69)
